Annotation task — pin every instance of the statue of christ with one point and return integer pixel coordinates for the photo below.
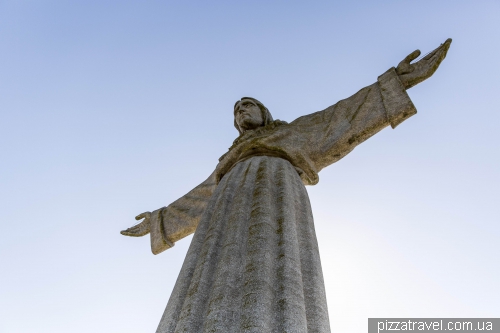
(253, 264)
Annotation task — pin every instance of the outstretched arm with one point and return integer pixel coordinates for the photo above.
(329, 135)
(176, 221)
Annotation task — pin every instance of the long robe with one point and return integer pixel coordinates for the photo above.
(253, 264)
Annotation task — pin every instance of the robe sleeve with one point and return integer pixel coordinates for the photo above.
(332, 133)
(181, 217)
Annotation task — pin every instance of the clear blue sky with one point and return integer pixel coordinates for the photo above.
(112, 108)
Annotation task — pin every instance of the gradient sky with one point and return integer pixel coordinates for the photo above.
(112, 108)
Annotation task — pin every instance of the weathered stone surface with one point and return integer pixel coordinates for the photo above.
(253, 264)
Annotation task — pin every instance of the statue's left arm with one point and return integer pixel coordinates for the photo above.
(329, 135)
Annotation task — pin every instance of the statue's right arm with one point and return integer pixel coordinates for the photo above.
(176, 221)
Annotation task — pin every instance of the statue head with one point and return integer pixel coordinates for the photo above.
(250, 114)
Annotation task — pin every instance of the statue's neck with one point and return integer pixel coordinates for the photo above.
(255, 132)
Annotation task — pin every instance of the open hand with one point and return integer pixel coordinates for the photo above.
(140, 229)
(413, 74)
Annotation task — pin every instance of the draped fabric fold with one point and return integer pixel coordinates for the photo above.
(253, 264)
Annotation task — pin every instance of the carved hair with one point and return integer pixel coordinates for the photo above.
(266, 115)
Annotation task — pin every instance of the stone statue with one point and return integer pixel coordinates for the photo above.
(253, 264)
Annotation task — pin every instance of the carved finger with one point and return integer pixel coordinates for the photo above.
(412, 56)
(404, 66)
(143, 215)
(126, 233)
(130, 231)
(136, 231)
(135, 228)
(438, 56)
(440, 51)
(432, 54)
(445, 47)
(133, 234)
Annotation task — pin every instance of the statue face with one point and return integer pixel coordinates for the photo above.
(248, 115)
